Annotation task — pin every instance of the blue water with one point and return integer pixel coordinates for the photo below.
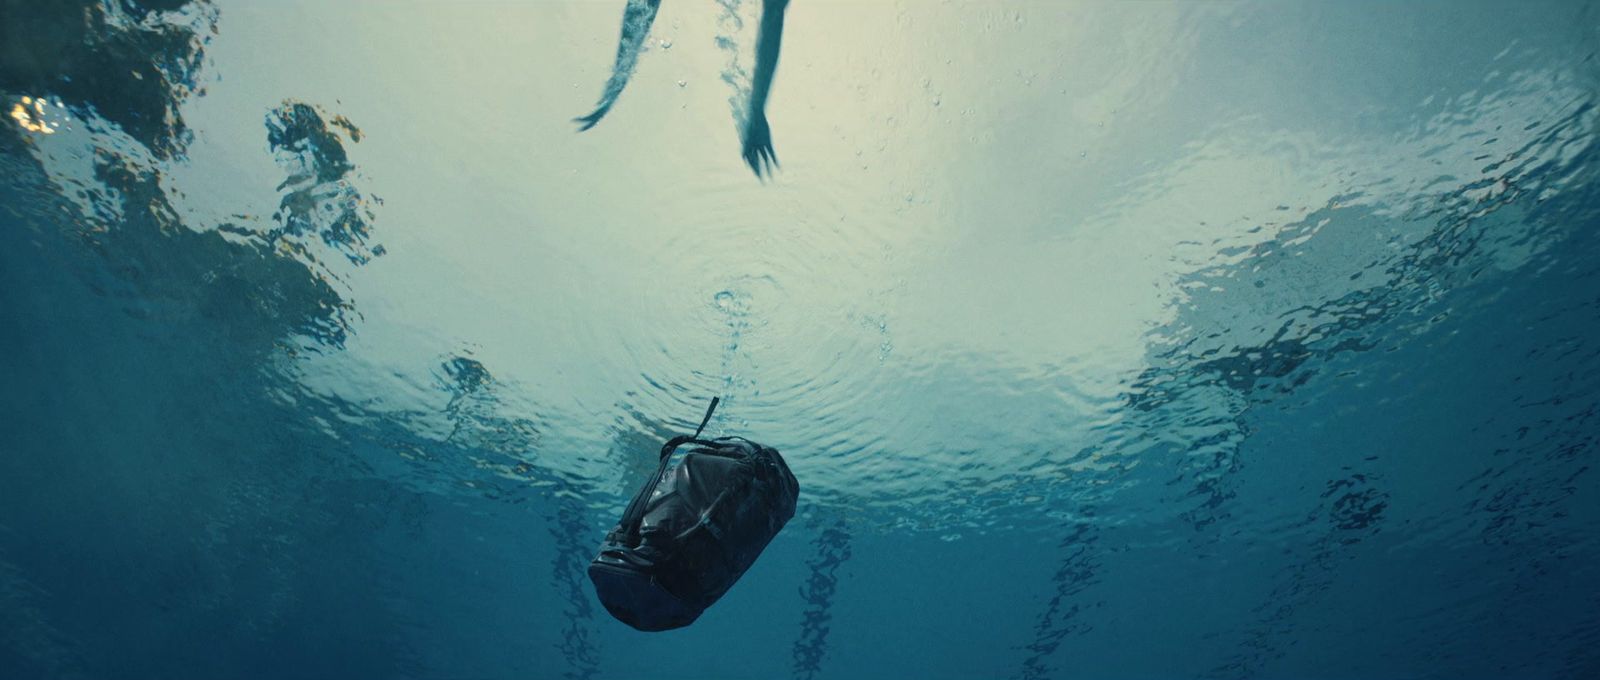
(1132, 340)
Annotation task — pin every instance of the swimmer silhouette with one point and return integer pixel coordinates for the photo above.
(754, 133)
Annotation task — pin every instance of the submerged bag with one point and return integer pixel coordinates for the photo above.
(693, 529)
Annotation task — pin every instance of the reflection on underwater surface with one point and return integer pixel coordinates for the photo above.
(1107, 340)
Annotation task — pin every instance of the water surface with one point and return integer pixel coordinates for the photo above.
(1134, 340)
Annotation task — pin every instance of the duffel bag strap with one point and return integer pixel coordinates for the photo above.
(628, 529)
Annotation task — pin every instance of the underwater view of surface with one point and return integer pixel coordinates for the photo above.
(1106, 340)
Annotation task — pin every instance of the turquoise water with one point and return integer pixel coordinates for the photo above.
(1132, 340)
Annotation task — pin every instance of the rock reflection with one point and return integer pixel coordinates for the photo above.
(130, 63)
(320, 199)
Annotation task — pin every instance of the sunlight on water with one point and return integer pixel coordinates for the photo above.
(1107, 339)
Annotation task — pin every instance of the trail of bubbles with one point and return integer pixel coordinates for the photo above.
(571, 527)
(1352, 510)
(731, 23)
(1062, 614)
(832, 547)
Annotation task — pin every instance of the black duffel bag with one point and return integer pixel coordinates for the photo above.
(693, 529)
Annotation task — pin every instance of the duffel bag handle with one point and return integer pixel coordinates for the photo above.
(680, 440)
(628, 528)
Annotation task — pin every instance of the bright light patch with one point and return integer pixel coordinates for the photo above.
(30, 114)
